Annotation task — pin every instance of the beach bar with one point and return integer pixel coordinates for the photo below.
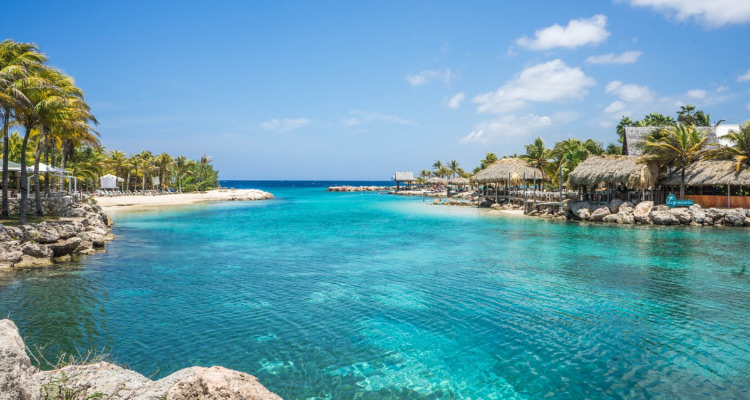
(624, 177)
(403, 177)
(496, 180)
(712, 183)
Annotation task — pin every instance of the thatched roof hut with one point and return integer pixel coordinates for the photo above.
(459, 181)
(633, 172)
(513, 169)
(404, 176)
(710, 173)
(436, 181)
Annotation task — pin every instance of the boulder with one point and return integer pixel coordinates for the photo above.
(581, 210)
(16, 372)
(600, 213)
(567, 204)
(734, 217)
(747, 221)
(699, 214)
(627, 207)
(714, 214)
(683, 215)
(65, 230)
(65, 247)
(36, 250)
(10, 253)
(614, 206)
(218, 383)
(4, 234)
(17, 233)
(626, 217)
(642, 212)
(45, 234)
(664, 218)
(613, 218)
(661, 207)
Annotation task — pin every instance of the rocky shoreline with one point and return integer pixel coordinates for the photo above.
(19, 380)
(359, 188)
(82, 228)
(645, 213)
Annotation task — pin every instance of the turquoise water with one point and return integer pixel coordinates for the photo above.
(370, 296)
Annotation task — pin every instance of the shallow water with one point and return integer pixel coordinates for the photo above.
(370, 296)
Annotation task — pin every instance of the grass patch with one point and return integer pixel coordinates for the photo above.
(33, 219)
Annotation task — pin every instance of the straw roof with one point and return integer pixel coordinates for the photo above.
(459, 181)
(633, 172)
(404, 176)
(436, 181)
(513, 168)
(710, 173)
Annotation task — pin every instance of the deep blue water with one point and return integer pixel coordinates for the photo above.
(371, 296)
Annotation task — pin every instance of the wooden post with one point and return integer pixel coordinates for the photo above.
(507, 188)
(729, 196)
(534, 202)
(524, 192)
(561, 177)
(496, 193)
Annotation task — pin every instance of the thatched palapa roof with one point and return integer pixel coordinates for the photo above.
(513, 169)
(459, 181)
(436, 181)
(710, 173)
(404, 176)
(633, 172)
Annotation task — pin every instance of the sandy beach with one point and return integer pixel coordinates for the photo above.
(137, 202)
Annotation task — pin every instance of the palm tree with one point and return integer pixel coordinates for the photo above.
(181, 168)
(739, 150)
(568, 154)
(15, 61)
(489, 159)
(443, 171)
(537, 154)
(453, 167)
(614, 149)
(426, 174)
(204, 161)
(437, 165)
(163, 161)
(680, 144)
(117, 161)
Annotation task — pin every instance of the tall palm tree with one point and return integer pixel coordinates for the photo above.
(453, 167)
(679, 144)
(489, 159)
(163, 162)
(15, 61)
(739, 150)
(181, 166)
(568, 154)
(437, 165)
(204, 161)
(538, 155)
(116, 162)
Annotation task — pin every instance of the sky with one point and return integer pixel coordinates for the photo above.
(358, 90)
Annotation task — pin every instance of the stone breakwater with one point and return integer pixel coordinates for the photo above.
(646, 213)
(19, 380)
(359, 188)
(81, 229)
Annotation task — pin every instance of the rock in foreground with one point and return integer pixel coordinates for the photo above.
(19, 380)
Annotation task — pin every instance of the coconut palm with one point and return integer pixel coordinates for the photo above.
(739, 150)
(202, 163)
(181, 167)
(453, 167)
(568, 154)
(489, 159)
(163, 161)
(437, 165)
(15, 61)
(678, 145)
(537, 154)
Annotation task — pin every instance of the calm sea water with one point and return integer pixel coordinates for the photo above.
(370, 296)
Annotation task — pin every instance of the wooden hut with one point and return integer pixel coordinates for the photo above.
(628, 172)
(506, 171)
(459, 181)
(436, 181)
(403, 177)
(706, 176)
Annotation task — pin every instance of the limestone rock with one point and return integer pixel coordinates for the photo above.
(614, 206)
(36, 250)
(581, 209)
(683, 215)
(600, 213)
(714, 214)
(661, 207)
(664, 218)
(627, 207)
(735, 217)
(101, 377)
(567, 204)
(65, 230)
(16, 372)
(46, 234)
(699, 214)
(218, 383)
(613, 218)
(65, 247)
(642, 212)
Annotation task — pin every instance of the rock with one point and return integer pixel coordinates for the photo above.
(567, 204)
(714, 214)
(218, 383)
(65, 230)
(683, 215)
(735, 217)
(642, 212)
(581, 210)
(664, 218)
(65, 247)
(614, 206)
(699, 215)
(626, 218)
(101, 377)
(4, 234)
(627, 207)
(16, 372)
(613, 218)
(719, 222)
(661, 207)
(10, 253)
(36, 250)
(600, 213)
(46, 234)
(747, 221)
(17, 233)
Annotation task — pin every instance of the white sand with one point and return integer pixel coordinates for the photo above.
(136, 202)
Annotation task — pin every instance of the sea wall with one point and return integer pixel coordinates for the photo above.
(80, 229)
(645, 213)
(19, 380)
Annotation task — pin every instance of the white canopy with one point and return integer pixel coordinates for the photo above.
(109, 181)
(43, 168)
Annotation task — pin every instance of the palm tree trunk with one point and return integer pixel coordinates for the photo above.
(682, 183)
(63, 159)
(46, 161)
(37, 186)
(24, 174)
(6, 210)
(179, 182)
(127, 182)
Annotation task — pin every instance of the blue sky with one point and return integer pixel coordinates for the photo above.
(357, 90)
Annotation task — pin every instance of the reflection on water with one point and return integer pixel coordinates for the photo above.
(355, 295)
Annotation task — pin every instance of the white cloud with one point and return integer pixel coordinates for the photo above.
(579, 32)
(626, 57)
(455, 101)
(748, 106)
(616, 106)
(285, 124)
(360, 117)
(710, 13)
(550, 81)
(630, 92)
(427, 76)
(744, 77)
(506, 127)
(697, 93)
(722, 89)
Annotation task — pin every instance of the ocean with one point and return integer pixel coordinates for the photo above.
(373, 296)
